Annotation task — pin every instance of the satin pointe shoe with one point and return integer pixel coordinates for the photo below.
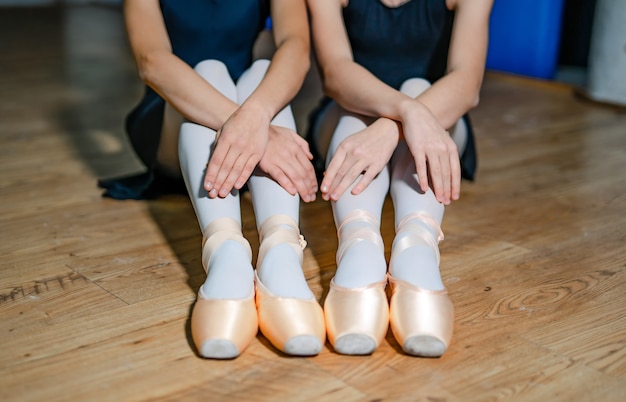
(294, 326)
(357, 318)
(223, 328)
(422, 321)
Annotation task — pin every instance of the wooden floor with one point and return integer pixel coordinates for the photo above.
(96, 294)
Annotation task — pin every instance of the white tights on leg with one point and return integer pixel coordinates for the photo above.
(229, 271)
(281, 270)
(361, 263)
(418, 217)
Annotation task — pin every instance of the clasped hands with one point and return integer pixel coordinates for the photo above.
(246, 141)
(281, 153)
(363, 155)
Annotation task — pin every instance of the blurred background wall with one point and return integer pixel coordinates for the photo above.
(580, 42)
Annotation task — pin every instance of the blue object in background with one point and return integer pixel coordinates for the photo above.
(524, 37)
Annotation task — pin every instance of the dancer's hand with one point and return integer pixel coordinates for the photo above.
(435, 153)
(287, 160)
(239, 146)
(364, 154)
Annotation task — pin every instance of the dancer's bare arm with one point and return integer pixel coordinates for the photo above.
(242, 141)
(423, 120)
(168, 75)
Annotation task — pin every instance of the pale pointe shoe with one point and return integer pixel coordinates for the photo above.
(223, 328)
(422, 321)
(357, 318)
(294, 326)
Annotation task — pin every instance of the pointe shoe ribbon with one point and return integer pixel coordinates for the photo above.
(280, 229)
(217, 232)
(415, 223)
(351, 236)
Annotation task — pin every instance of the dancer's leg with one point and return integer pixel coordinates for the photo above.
(421, 313)
(280, 269)
(418, 217)
(359, 263)
(418, 264)
(289, 315)
(229, 270)
(224, 318)
(356, 309)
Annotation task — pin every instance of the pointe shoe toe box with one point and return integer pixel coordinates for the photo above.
(218, 349)
(355, 344)
(356, 319)
(294, 326)
(421, 320)
(222, 329)
(424, 345)
(303, 345)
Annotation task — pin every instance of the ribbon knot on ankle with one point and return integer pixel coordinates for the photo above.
(302, 241)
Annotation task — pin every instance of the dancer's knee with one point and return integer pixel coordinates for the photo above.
(216, 73)
(250, 79)
(253, 75)
(414, 86)
(260, 66)
(208, 69)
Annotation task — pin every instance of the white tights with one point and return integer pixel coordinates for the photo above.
(363, 262)
(230, 273)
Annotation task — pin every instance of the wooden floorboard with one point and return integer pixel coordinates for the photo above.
(96, 294)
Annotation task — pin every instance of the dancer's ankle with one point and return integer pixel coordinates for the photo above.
(415, 252)
(229, 274)
(281, 273)
(279, 264)
(360, 255)
(362, 264)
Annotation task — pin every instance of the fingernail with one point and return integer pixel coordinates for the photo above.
(324, 189)
(208, 186)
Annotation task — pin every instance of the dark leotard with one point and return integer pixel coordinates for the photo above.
(399, 43)
(223, 30)
(408, 41)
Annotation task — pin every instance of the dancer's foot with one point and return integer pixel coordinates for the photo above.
(289, 315)
(421, 312)
(224, 318)
(356, 319)
(356, 309)
(421, 320)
